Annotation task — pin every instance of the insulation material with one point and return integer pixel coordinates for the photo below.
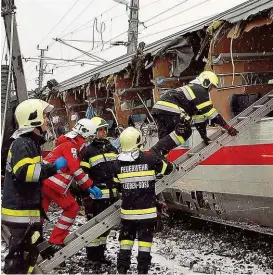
(259, 22)
(183, 54)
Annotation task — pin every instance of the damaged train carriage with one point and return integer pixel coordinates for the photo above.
(235, 183)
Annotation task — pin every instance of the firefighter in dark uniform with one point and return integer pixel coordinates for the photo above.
(179, 109)
(136, 172)
(21, 202)
(98, 160)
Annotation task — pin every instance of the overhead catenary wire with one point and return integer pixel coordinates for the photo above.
(74, 20)
(149, 19)
(3, 51)
(91, 20)
(60, 20)
(173, 15)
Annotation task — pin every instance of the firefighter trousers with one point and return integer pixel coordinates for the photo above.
(70, 210)
(144, 231)
(24, 238)
(96, 248)
(173, 131)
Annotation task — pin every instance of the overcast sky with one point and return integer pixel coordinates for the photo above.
(41, 20)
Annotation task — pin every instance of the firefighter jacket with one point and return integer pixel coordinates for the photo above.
(25, 172)
(137, 179)
(192, 100)
(70, 150)
(98, 161)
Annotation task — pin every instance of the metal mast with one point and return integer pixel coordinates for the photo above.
(133, 26)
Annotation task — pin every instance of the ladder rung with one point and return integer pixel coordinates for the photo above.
(191, 154)
(270, 96)
(77, 234)
(242, 117)
(258, 106)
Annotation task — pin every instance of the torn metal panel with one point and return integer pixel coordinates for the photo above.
(258, 22)
(183, 52)
(240, 12)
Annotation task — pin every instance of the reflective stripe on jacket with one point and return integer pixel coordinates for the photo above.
(137, 179)
(70, 150)
(25, 171)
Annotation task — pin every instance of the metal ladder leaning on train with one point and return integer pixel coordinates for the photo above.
(178, 109)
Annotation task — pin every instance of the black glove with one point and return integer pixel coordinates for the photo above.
(232, 131)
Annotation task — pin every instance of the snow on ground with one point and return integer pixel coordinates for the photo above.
(181, 248)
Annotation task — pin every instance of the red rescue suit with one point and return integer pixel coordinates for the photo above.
(56, 188)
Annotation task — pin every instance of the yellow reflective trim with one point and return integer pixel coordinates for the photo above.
(115, 180)
(168, 104)
(106, 191)
(126, 242)
(9, 154)
(95, 241)
(164, 167)
(139, 211)
(203, 105)
(190, 91)
(85, 164)
(21, 213)
(35, 237)
(180, 138)
(103, 238)
(30, 270)
(136, 174)
(30, 173)
(205, 115)
(144, 244)
(107, 155)
(24, 161)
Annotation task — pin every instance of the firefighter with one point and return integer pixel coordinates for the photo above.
(136, 172)
(21, 202)
(98, 161)
(56, 188)
(179, 108)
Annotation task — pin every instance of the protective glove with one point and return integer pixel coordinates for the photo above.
(60, 163)
(95, 191)
(232, 131)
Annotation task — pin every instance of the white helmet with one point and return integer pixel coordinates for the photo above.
(131, 140)
(30, 113)
(84, 127)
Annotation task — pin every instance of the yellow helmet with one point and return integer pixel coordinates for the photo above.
(30, 113)
(131, 140)
(208, 79)
(99, 122)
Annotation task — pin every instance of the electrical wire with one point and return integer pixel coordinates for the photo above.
(193, 21)
(91, 20)
(52, 43)
(60, 20)
(3, 51)
(173, 15)
(165, 11)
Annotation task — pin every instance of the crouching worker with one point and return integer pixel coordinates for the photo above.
(25, 171)
(179, 108)
(137, 172)
(56, 188)
(98, 161)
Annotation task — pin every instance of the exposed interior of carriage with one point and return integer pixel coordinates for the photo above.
(240, 53)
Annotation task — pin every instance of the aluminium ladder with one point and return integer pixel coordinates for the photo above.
(188, 161)
(184, 164)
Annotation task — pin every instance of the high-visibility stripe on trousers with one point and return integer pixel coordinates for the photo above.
(70, 211)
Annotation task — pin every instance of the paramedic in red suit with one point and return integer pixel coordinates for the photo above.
(56, 188)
